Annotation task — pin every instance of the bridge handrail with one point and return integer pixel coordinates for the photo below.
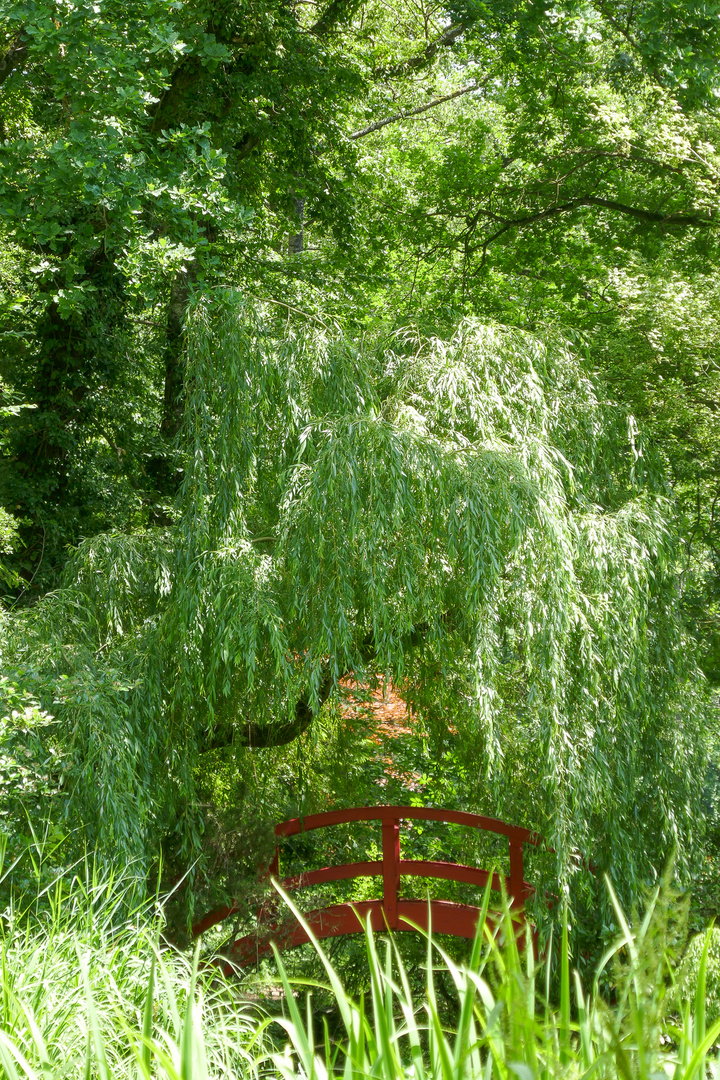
(516, 833)
(392, 866)
(448, 871)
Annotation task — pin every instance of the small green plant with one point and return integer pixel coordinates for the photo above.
(701, 946)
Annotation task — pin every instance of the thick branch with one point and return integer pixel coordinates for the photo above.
(175, 340)
(445, 40)
(162, 468)
(187, 74)
(183, 91)
(654, 216)
(699, 220)
(260, 736)
(333, 13)
(405, 113)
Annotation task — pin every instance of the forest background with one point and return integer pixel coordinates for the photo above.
(350, 344)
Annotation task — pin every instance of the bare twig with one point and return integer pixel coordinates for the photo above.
(42, 556)
(298, 311)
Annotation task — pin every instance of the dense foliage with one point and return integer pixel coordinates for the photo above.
(353, 341)
(461, 517)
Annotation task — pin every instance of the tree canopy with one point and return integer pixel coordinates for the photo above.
(360, 339)
(462, 517)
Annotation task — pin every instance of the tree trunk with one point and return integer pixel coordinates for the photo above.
(174, 345)
(295, 246)
(163, 469)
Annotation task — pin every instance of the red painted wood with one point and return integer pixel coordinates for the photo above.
(212, 919)
(405, 813)
(332, 873)
(468, 875)
(460, 920)
(448, 871)
(391, 911)
(391, 869)
(517, 885)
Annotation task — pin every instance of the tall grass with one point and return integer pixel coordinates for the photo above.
(504, 1026)
(89, 991)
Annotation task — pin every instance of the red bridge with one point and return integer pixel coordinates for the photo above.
(392, 911)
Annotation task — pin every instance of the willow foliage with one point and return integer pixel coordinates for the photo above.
(462, 516)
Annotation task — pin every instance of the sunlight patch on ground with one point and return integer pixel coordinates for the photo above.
(388, 715)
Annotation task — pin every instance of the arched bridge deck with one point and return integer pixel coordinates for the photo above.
(393, 910)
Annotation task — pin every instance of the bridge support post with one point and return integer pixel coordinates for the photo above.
(391, 869)
(517, 885)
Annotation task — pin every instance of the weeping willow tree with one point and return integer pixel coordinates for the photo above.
(463, 517)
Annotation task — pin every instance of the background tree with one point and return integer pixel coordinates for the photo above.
(578, 185)
(262, 508)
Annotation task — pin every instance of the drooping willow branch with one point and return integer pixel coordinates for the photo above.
(261, 736)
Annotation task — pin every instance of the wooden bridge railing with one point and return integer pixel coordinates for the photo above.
(392, 910)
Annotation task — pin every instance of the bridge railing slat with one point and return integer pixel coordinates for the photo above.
(333, 873)
(465, 875)
(430, 868)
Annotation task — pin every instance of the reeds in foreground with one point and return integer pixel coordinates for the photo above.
(505, 1026)
(87, 992)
